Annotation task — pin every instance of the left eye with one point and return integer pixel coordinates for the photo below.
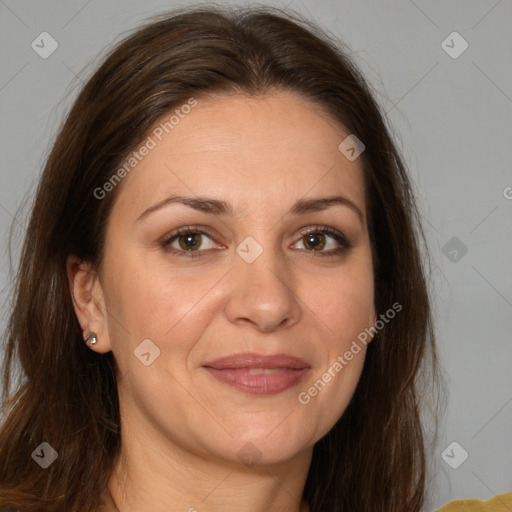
(317, 241)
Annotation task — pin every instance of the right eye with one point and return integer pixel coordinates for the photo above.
(187, 241)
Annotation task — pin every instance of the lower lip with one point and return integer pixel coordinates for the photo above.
(259, 384)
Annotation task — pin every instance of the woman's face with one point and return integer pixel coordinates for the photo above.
(247, 279)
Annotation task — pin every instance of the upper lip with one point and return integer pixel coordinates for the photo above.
(252, 360)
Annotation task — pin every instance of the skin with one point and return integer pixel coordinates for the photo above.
(181, 427)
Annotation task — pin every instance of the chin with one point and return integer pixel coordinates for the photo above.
(257, 448)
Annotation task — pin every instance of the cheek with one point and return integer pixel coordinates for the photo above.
(168, 307)
(343, 303)
(344, 309)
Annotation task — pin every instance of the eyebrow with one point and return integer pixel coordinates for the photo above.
(218, 207)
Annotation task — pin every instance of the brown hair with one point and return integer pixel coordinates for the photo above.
(374, 458)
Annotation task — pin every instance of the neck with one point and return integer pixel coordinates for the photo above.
(154, 474)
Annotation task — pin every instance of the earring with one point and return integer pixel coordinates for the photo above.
(91, 339)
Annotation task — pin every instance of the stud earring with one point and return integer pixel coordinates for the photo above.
(91, 339)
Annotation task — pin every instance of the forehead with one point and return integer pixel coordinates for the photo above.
(273, 148)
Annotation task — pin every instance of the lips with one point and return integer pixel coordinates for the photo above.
(259, 374)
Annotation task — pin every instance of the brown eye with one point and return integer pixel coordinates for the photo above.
(324, 241)
(190, 241)
(314, 241)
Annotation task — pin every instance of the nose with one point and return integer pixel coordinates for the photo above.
(262, 293)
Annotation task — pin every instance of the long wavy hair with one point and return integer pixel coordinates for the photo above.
(57, 390)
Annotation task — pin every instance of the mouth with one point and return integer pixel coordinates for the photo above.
(259, 374)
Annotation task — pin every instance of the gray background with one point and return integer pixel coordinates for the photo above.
(452, 118)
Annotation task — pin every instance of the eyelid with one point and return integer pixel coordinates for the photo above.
(184, 230)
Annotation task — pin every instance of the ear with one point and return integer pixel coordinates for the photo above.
(88, 301)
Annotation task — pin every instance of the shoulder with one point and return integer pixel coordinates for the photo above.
(500, 503)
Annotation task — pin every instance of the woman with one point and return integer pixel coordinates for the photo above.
(221, 301)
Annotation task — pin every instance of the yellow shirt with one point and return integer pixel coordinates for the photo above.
(500, 503)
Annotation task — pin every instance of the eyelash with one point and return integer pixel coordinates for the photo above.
(344, 242)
